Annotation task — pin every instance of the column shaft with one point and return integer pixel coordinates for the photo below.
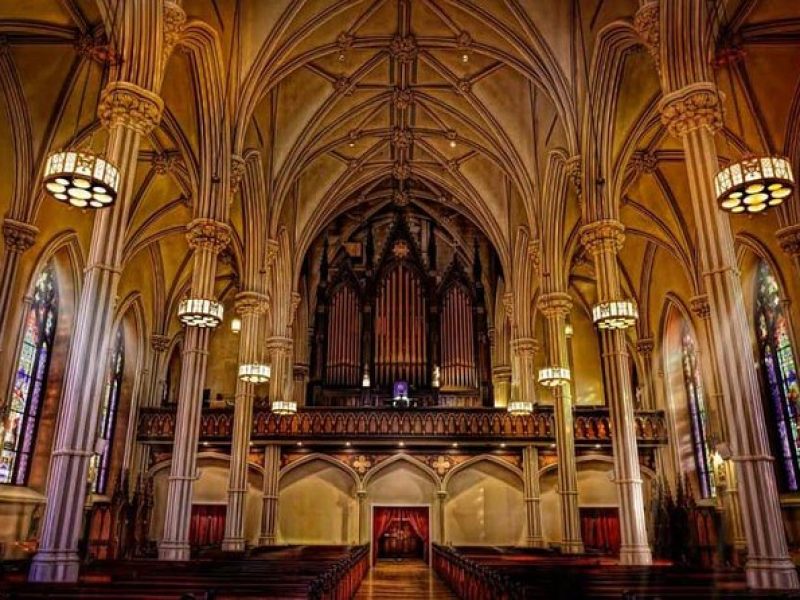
(269, 511)
(533, 512)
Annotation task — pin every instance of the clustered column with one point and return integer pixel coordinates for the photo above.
(128, 112)
(524, 349)
(555, 307)
(603, 239)
(280, 349)
(18, 237)
(250, 306)
(530, 481)
(693, 114)
(207, 238)
(269, 509)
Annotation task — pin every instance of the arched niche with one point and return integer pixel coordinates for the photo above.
(211, 487)
(485, 505)
(317, 504)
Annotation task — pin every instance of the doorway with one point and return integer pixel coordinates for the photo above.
(400, 532)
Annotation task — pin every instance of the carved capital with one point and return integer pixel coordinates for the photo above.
(643, 163)
(174, 22)
(208, 234)
(700, 307)
(603, 236)
(646, 24)
(555, 304)
(789, 239)
(645, 346)
(508, 304)
(271, 254)
(690, 108)
(501, 374)
(124, 104)
(163, 163)
(574, 166)
(159, 343)
(19, 236)
(238, 168)
(251, 303)
(294, 303)
(279, 343)
(525, 346)
(535, 255)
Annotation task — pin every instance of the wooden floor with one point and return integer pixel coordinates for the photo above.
(407, 579)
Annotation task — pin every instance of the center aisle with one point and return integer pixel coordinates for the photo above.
(406, 579)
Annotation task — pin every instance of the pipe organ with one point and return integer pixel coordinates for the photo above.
(344, 336)
(401, 317)
(400, 352)
(458, 345)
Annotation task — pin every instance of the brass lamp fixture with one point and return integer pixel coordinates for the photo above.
(284, 407)
(554, 376)
(198, 312)
(754, 184)
(616, 314)
(254, 372)
(519, 408)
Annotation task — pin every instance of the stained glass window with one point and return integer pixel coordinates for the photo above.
(21, 418)
(108, 414)
(697, 411)
(779, 376)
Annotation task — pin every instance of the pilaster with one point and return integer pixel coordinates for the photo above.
(269, 510)
(532, 496)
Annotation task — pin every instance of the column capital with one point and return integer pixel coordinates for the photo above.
(238, 168)
(294, 303)
(125, 104)
(159, 342)
(692, 107)
(605, 235)
(18, 235)
(174, 22)
(251, 303)
(208, 234)
(645, 346)
(555, 304)
(789, 239)
(574, 166)
(535, 254)
(525, 346)
(279, 342)
(646, 22)
(700, 307)
(501, 374)
(508, 304)
(272, 248)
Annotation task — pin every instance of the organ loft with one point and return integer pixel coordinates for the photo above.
(375, 299)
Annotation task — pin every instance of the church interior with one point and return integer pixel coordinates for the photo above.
(399, 299)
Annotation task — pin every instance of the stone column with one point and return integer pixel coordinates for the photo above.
(269, 510)
(250, 305)
(530, 484)
(363, 517)
(555, 307)
(693, 115)
(128, 112)
(603, 239)
(524, 349)
(300, 375)
(700, 307)
(645, 346)
(207, 238)
(501, 380)
(441, 500)
(280, 350)
(18, 238)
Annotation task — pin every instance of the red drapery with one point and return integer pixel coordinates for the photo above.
(416, 516)
(208, 524)
(600, 529)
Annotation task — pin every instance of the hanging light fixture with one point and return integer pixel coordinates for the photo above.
(519, 408)
(198, 312)
(284, 407)
(554, 376)
(365, 380)
(236, 325)
(616, 314)
(754, 184)
(254, 372)
(78, 176)
(81, 178)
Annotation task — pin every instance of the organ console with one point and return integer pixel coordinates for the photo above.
(399, 319)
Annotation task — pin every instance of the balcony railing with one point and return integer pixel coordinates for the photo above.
(592, 425)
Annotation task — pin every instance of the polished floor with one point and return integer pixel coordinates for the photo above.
(405, 579)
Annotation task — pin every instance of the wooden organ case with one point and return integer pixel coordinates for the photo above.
(399, 318)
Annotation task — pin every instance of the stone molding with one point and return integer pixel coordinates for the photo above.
(159, 342)
(604, 235)
(555, 304)
(700, 307)
(646, 23)
(208, 234)
(525, 346)
(691, 108)
(124, 104)
(19, 236)
(251, 303)
(789, 239)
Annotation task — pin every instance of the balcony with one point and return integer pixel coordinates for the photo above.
(592, 425)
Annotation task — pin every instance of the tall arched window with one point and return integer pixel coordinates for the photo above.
(697, 411)
(101, 463)
(779, 374)
(22, 412)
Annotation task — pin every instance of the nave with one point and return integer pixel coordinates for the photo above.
(402, 579)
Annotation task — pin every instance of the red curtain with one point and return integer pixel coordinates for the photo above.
(208, 524)
(600, 529)
(416, 516)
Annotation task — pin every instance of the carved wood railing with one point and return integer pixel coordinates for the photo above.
(592, 425)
